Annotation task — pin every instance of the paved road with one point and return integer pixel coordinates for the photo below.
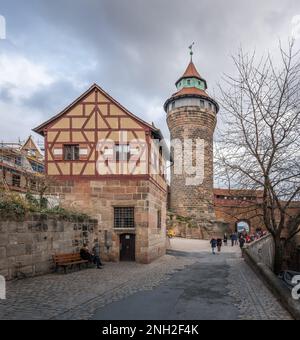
(188, 283)
(213, 288)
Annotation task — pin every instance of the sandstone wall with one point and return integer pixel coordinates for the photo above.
(196, 201)
(26, 248)
(156, 234)
(98, 198)
(263, 251)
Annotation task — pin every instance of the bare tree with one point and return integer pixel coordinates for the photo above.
(260, 148)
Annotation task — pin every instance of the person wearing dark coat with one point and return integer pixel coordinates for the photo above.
(219, 244)
(225, 239)
(232, 239)
(242, 242)
(85, 254)
(96, 253)
(213, 243)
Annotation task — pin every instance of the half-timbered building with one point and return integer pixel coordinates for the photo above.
(110, 164)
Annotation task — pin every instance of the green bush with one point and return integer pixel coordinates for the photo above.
(65, 214)
(14, 210)
(15, 207)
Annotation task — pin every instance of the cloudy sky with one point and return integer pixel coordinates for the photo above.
(134, 49)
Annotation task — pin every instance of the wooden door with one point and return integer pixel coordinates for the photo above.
(127, 247)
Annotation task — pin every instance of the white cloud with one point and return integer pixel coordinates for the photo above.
(295, 27)
(20, 78)
(16, 121)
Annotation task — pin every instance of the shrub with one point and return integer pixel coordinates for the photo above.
(15, 207)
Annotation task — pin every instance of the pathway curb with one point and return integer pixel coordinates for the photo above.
(280, 291)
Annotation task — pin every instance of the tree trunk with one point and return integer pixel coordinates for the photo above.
(278, 257)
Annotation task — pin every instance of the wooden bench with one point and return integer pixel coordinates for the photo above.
(68, 260)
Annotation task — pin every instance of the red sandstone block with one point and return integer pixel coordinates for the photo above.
(142, 189)
(131, 190)
(114, 190)
(123, 197)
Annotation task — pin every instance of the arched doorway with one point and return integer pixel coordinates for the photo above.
(127, 247)
(243, 226)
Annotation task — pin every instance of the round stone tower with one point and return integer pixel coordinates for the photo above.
(192, 118)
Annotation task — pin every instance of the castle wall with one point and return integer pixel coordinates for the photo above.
(27, 247)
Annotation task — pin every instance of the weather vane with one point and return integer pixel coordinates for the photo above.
(191, 50)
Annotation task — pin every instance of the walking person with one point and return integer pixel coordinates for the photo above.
(213, 243)
(232, 240)
(219, 244)
(96, 253)
(225, 239)
(242, 242)
(236, 239)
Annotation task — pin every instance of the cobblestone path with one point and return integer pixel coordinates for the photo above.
(188, 283)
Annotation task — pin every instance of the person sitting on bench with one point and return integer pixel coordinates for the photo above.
(85, 254)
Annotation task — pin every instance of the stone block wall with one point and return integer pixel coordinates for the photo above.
(156, 233)
(27, 247)
(263, 251)
(196, 201)
(98, 198)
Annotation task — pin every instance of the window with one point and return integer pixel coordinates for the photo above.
(189, 82)
(209, 106)
(37, 167)
(71, 152)
(173, 105)
(16, 181)
(18, 161)
(158, 219)
(123, 217)
(122, 152)
(202, 104)
(33, 185)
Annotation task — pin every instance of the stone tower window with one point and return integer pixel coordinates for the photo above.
(202, 104)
